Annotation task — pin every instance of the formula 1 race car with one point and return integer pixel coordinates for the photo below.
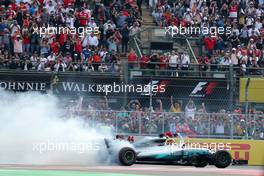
(155, 149)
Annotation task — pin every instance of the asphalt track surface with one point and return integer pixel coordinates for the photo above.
(135, 170)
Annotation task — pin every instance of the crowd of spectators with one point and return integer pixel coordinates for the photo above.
(66, 35)
(241, 43)
(182, 117)
(174, 63)
(112, 22)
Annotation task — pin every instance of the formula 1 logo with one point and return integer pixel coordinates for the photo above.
(203, 89)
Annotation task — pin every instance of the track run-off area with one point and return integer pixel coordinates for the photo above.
(135, 170)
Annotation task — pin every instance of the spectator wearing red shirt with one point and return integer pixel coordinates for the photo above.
(26, 22)
(203, 64)
(132, 59)
(26, 43)
(13, 6)
(233, 11)
(55, 47)
(78, 47)
(210, 43)
(11, 14)
(96, 60)
(68, 2)
(144, 61)
(83, 17)
(62, 39)
(163, 62)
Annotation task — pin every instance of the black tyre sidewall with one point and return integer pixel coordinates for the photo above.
(122, 157)
(217, 161)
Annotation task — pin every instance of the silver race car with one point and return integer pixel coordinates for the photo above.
(160, 149)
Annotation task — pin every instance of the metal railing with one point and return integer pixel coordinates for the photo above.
(140, 41)
(193, 69)
(102, 68)
(192, 124)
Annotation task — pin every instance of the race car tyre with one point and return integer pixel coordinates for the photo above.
(201, 162)
(127, 156)
(222, 159)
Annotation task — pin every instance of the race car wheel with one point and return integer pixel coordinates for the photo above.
(200, 162)
(222, 159)
(127, 156)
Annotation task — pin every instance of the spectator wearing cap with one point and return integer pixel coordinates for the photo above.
(234, 57)
(92, 24)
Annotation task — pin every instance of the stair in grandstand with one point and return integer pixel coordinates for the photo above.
(152, 33)
(147, 19)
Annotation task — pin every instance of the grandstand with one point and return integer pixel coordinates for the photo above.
(129, 43)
